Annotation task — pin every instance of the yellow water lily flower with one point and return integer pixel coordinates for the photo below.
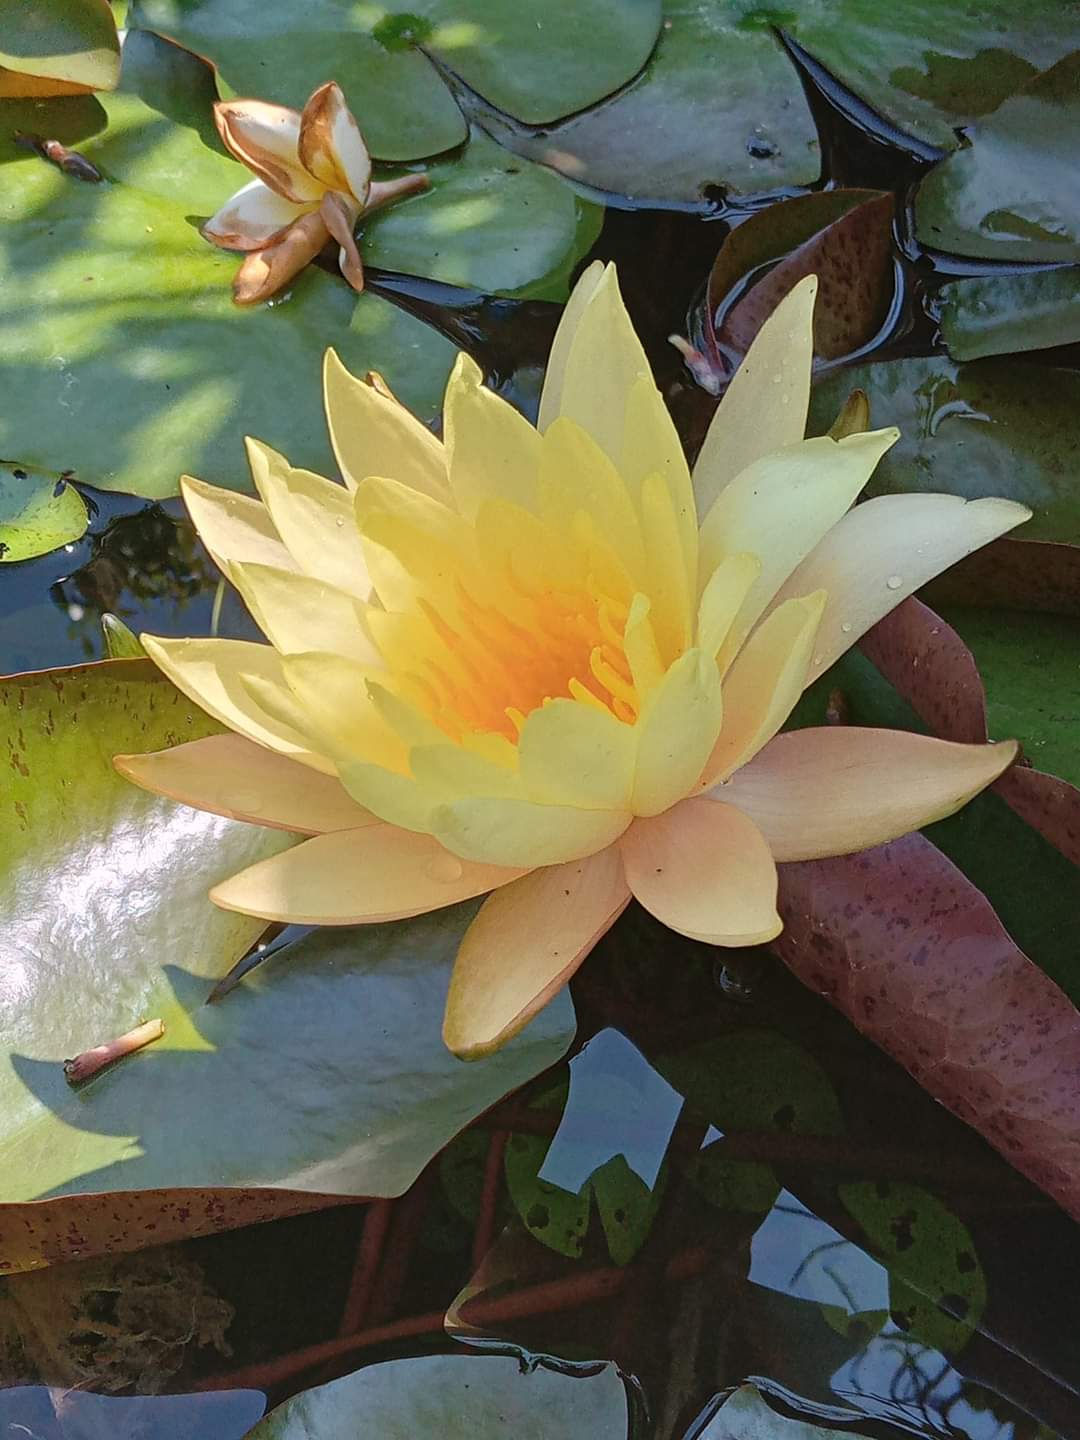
(314, 181)
(551, 664)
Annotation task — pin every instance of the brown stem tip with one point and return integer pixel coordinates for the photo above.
(91, 1062)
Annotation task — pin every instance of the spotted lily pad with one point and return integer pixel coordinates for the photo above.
(535, 64)
(324, 1072)
(39, 512)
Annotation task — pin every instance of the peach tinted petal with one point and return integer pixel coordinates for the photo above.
(229, 775)
(339, 218)
(330, 144)
(837, 789)
(266, 138)
(524, 945)
(357, 877)
(705, 870)
(270, 269)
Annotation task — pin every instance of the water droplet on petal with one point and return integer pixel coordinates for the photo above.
(846, 627)
(445, 867)
(339, 522)
(776, 379)
(894, 582)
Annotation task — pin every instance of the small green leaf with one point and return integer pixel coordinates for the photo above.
(39, 512)
(557, 1218)
(120, 642)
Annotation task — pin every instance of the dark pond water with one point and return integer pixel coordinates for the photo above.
(791, 1206)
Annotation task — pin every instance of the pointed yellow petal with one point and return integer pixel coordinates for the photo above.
(314, 518)
(764, 683)
(234, 527)
(518, 832)
(415, 546)
(883, 550)
(651, 446)
(676, 733)
(448, 772)
(211, 672)
(251, 218)
(572, 754)
(837, 789)
(265, 138)
(604, 358)
(576, 475)
(357, 877)
(705, 870)
(374, 434)
(781, 507)
(764, 407)
(492, 451)
(229, 775)
(555, 374)
(641, 649)
(669, 578)
(524, 945)
(333, 693)
(411, 725)
(330, 145)
(393, 797)
(723, 598)
(296, 613)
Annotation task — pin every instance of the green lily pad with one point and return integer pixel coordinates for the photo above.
(1012, 193)
(1009, 313)
(70, 40)
(985, 428)
(719, 103)
(456, 1397)
(39, 512)
(109, 289)
(324, 1072)
(385, 57)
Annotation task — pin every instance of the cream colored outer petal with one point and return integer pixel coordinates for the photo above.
(518, 832)
(251, 218)
(676, 733)
(780, 508)
(574, 754)
(524, 945)
(492, 451)
(837, 789)
(314, 518)
(266, 138)
(357, 877)
(555, 374)
(297, 613)
(764, 684)
(374, 434)
(764, 407)
(212, 672)
(330, 145)
(229, 775)
(883, 550)
(234, 527)
(604, 359)
(705, 870)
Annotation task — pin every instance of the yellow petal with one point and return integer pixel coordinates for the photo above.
(297, 613)
(576, 475)
(518, 832)
(572, 754)
(883, 551)
(251, 218)
(604, 357)
(764, 407)
(837, 789)
(448, 772)
(357, 877)
(314, 518)
(524, 945)
(492, 451)
(651, 446)
(330, 145)
(780, 508)
(723, 598)
(234, 527)
(333, 693)
(211, 672)
(764, 683)
(640, 647)
(555, 374)
(265, 138)
(229, 775)
(393, 797)
(416, 547)
(676, 732)
(705, 870)
(374, 434)
(669, 578)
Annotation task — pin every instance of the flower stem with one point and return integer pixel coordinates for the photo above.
(92, 1062)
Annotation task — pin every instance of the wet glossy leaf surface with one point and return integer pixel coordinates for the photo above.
(39, 512)
(1011, 313)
